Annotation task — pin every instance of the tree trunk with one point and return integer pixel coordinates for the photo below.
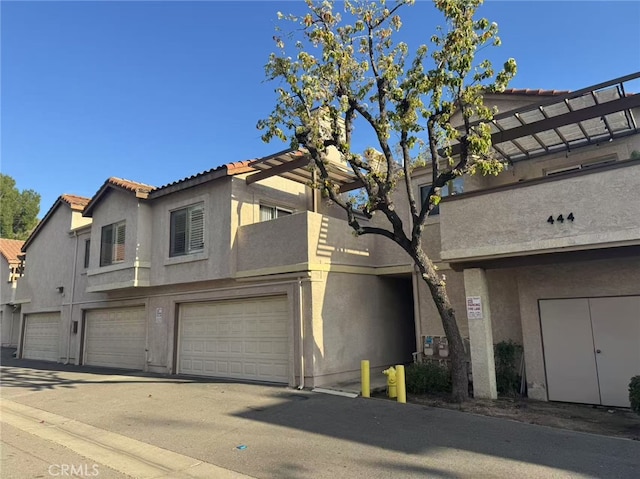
(459, 367)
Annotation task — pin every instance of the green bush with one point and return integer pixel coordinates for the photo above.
(428, 377)
(634, 393)
(507, 359)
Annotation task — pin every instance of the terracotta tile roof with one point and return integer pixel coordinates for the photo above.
(238, 167)
(229, 169)
(131, 185)
(530, 92)
(10, 249)
(141, 190)
(77, 203)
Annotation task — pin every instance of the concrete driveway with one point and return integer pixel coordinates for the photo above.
(291, 434)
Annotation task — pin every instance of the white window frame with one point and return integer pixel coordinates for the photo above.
(276, 212)
(113, 250)
(194, 234)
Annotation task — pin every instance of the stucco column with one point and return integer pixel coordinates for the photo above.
(480, 333)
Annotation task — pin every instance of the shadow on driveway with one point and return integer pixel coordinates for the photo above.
(419, 430)
(38, 375)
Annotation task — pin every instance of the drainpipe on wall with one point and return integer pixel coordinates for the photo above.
(301, 335)
(73, 290)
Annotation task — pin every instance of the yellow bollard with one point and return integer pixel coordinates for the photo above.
(391, 381)
(402, 390)
(366, 384)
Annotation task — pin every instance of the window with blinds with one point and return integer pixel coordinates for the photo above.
(272, 212)
(187, 230)
(112, 243)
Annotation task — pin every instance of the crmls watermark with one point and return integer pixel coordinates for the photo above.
(74, 470)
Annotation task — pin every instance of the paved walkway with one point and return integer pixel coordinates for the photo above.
(178, 427)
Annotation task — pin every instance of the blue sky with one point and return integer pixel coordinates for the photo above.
(157, 91)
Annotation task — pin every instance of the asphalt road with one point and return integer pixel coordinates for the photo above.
(167, 422)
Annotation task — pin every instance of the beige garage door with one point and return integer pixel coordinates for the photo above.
(42, 336)
(244, 339)
(591, 348)
(116, 338)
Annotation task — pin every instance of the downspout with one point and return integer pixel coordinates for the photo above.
(73, 290)
(301, 335)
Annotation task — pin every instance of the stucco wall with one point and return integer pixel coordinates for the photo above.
(359, 317)
(49, 265)
(611, 277)
(275, 243)
(430, 322)
(331, 240)
(115, 207)
(7, 289)
(213, 261)
(603, 202)
(505, 305)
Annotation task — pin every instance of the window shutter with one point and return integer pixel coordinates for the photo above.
(119, 242)
(196, 228)
(106, 245)
(178, 232)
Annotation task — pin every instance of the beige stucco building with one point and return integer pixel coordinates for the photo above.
(244, 272)
(212, 276)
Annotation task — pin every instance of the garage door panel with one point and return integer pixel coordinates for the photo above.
(116, 338)
(591, 348)
(42, 336)
(568, 349)
(245, 339)
(616, 329)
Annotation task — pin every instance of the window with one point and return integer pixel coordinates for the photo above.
(591, 164)
(187, 230)
(272, 212)
(112, 244)
(87, 249)
(453, 187)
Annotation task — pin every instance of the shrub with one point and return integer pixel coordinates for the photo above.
(634, 393)
(428, 377)
(507, 359)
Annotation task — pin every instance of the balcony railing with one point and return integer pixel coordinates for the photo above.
(299, 240)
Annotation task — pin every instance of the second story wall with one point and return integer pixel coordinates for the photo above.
(593, 208)
(209, 204)
(120, 242)
(7, 286)
(49, 264)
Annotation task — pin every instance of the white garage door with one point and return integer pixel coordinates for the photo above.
(42, 336)
(116, 338)
(245, 339)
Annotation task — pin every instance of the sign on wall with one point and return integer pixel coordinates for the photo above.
(474, 307)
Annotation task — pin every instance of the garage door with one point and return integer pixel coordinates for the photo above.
(116, 338)
(591, 348)
(42, 336)
(246, 339)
